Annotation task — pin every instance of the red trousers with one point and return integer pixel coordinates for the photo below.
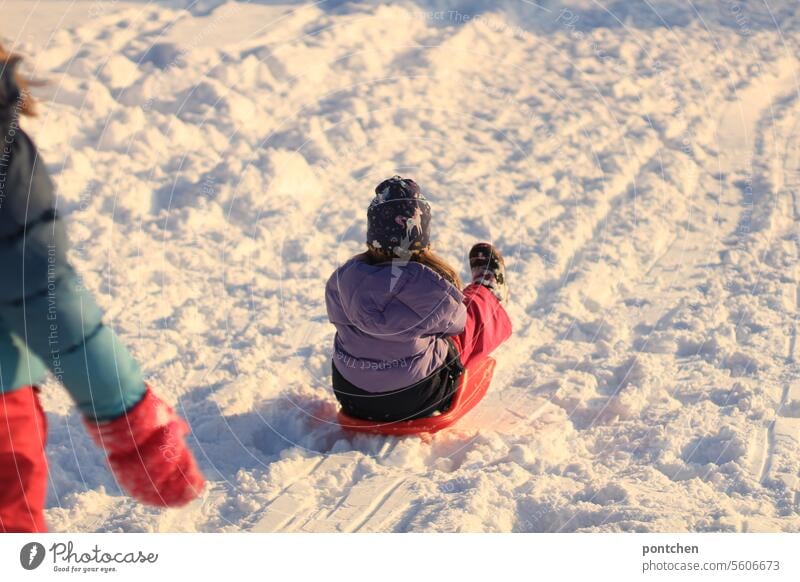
(23, 465)
(487, 327)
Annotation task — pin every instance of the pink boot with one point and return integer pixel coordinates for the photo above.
(148, 454)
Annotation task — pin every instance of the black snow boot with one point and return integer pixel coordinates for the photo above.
(489, 269)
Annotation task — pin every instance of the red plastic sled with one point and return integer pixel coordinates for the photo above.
(472, 388)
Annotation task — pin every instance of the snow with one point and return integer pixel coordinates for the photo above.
(637, 163)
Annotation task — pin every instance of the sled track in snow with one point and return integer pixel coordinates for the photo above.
(362, 503)
(770, 444)
(792, 391)
(369, 500)
(672, 260)
(670, 267)
(392, 504)
(786, 422)
(275, 513)
(548, 291)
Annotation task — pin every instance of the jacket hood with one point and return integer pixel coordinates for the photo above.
(394, 300)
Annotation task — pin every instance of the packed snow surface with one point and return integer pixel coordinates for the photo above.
(638, 163)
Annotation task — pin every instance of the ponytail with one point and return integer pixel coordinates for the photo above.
(8, 66)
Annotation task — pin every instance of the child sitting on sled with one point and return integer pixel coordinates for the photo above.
(48, 320)
(405, 329)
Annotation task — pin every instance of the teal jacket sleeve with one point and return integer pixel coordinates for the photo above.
(43, 305)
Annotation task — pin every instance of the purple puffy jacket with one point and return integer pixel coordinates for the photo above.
(391, 322)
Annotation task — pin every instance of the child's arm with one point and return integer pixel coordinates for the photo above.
(452, 320)
(441, 309)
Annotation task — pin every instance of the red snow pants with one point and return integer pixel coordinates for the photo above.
(487, 327)
(23, 465)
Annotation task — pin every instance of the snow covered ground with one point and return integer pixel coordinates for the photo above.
(638, 163)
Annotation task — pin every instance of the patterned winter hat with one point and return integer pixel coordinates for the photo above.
(399, 218)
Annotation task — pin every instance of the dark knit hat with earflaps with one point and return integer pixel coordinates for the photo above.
(399, 218)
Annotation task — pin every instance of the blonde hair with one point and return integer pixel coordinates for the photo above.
(425, 257)
(11, 60)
